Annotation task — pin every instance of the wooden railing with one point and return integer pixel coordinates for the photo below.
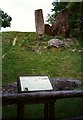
(47, 98)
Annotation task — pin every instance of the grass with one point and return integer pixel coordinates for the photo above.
(31, 56)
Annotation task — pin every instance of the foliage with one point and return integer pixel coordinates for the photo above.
(57, 7)
(75, 16)
(6, 19)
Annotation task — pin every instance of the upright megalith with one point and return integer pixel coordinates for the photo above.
(39, 22)
(61, 25)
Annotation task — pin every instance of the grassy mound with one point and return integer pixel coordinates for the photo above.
(31, 56)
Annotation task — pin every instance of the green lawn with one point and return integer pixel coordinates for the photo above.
(31, 56)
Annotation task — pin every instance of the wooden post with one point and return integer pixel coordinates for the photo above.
(46, 111)
(20, 111)
(49, 110)
(52, 111)
(39, 22)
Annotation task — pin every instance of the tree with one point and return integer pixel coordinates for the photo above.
(75, 9)
(75, 13)
(5, 19)
(57, 7)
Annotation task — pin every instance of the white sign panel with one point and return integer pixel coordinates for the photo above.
(35, 83)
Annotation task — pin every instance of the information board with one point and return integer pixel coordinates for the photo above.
(34, 83)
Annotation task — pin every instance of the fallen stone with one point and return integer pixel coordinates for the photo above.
(56, 43)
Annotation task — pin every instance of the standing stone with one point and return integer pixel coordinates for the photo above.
(61, 26)
(48, 29)
(39, 22)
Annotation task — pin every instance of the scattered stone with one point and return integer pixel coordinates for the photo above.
(74, 50)
(80, 50)
(36, 49)
(45, 47)
(56, 43)
(77, 50)
(69, 41)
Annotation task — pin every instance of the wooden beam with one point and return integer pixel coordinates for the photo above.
(39, 97)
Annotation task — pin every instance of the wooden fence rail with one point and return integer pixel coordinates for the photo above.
(47, 98)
